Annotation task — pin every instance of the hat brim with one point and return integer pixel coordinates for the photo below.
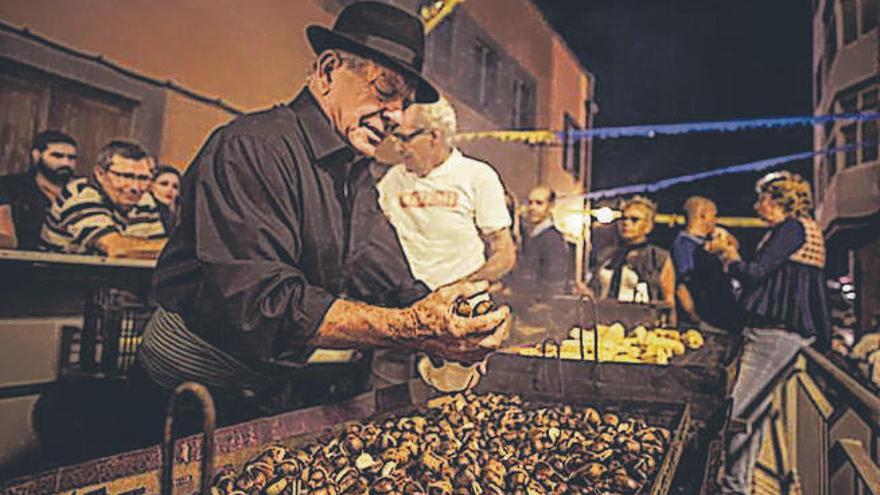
(322, 39)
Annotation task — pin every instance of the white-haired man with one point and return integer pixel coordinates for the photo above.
(447, 209)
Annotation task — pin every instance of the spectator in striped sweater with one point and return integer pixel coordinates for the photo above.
(108, 213)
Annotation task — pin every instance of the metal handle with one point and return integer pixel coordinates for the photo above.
(209, 420)
(592, 300)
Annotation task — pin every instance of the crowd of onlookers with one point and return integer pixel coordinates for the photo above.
(689, 283)
(126, 207)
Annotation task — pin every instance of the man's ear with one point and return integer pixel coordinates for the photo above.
(35, 155)
(328, 63)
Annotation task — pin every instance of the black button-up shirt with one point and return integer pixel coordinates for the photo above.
(29, 207)
(279, 217)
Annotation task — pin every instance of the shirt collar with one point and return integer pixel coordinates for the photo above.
(693, 237)
(541, 227)
(454, 155)
(322, 138)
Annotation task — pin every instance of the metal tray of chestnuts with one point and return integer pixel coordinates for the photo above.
(403, 440)
(476, 443)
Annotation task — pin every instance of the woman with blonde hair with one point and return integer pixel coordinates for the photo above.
(784, 302)
(637, 271)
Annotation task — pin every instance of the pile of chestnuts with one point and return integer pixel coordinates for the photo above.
(470, 445)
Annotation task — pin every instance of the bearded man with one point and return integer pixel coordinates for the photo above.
(25, 198)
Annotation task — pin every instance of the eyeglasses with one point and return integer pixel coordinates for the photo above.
(406, 138)
(390, 87)
(142, 178)
(631, 218)
(389, 92)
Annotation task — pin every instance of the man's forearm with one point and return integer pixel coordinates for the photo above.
(7, 228)
(118, 245)
(351, 324)
(494, 268)
(502, 258)
(8, 241)
(683, 295)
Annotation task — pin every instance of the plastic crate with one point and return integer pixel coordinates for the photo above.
(113, 326)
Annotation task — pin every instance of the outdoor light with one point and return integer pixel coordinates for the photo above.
(605, 214)
(848, 287)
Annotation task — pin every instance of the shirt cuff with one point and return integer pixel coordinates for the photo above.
(734, 267)
(312, 309)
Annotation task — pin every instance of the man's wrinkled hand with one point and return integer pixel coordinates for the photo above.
(472, 348)
(434, 316)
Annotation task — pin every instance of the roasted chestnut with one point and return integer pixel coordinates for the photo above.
(462, 307)
(482, 308)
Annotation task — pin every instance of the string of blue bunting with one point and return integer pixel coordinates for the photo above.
(756, 166)
(653, 130)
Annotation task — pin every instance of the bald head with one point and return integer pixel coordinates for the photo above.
(701, 214)
(540, 204)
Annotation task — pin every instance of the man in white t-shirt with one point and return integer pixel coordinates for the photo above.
(448, 209)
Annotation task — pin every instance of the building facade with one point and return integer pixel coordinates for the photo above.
(168, 76)
(846, 78)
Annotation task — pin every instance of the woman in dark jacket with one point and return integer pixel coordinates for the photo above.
(784, 302)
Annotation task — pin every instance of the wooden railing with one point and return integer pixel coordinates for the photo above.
(827, 426)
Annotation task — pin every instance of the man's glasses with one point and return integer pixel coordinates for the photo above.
(390, 87)
(406, 138)
(389, 92)
(142, 178)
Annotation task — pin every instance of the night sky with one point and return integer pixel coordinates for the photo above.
(692, 60)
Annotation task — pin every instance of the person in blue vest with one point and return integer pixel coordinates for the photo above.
(785, 306)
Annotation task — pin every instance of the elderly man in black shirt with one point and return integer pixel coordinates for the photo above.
(282, 246)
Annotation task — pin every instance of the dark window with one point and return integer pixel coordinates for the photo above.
(572, 156)
(441, 47)
(869, 140)
(485, 73)
(869, 15)
(870, 134)
(850, 104)
(850, 21)
(522, 104)
(34, 101)
(818, 84)
(830, 34)
(832, 159)
(849, 141)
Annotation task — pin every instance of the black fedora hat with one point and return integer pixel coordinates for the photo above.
(384, 33)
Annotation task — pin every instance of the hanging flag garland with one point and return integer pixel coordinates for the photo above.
(756, 166)
(527, 137)
(546, 137)
(434, 13)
